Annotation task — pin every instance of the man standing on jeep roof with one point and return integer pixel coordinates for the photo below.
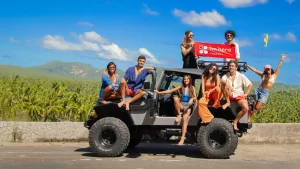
(233, 84)
(229, 36)
(135, 77)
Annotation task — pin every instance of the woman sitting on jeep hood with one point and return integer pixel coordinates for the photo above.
(268, 79)
(112, 87)
(210, 91)
(188, 96)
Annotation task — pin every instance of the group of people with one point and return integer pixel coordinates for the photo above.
(230, 86)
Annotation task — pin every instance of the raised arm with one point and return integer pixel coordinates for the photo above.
(259, 73)
(185, 51)
(279, 64)
(169, 91)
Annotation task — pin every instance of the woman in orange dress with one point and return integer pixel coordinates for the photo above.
(210, 91)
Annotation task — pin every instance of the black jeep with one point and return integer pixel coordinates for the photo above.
(152, 118)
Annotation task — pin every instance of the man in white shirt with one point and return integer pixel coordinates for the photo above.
(233, 84)
(229, 36)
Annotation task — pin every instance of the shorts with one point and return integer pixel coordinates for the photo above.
(238, 98)
(185, 105)
(130, 92)
(262, 94)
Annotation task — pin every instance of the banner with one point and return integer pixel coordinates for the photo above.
(214, 50)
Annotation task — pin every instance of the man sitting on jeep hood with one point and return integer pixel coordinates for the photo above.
(233, 84)
(135, 77)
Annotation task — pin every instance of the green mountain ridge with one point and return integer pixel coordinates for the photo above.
(72, 69)
(78, 70)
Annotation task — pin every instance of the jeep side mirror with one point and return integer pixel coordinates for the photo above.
(147, 85)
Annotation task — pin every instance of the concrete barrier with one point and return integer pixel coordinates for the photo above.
(26, 132)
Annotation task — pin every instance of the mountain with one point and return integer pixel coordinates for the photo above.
(21, 71)
(72, 69)
(58, 69)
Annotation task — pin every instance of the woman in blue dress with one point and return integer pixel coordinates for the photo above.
(188, 97)
(113, 87)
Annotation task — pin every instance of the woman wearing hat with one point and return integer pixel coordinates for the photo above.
(268, 79)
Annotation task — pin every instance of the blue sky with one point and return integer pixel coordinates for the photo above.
(95, 32)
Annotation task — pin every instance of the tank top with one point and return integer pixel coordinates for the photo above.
(185, 98)
(189, 61)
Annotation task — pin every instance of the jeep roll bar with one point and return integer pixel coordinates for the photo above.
(223, 67)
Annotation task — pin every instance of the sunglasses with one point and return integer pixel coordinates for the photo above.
(228, 35)
(112, 67)
(212, 68)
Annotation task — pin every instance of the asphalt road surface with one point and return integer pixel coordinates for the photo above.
(145, 156)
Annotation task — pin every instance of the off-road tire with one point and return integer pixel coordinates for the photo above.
(226, 142)
(115, 127)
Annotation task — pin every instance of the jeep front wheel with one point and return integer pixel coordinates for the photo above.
(109, 137)
(217, 139)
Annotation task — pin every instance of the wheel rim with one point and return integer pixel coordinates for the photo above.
(107, 138)
(217, 139)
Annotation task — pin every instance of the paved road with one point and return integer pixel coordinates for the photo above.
(145, 156)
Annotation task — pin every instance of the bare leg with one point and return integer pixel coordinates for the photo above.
(243, 103)
(122, 91)
(139, 95)
(226, 92)
(216, 95)
(184, 126)
(106, 93)
(258, 106)
(178, 107)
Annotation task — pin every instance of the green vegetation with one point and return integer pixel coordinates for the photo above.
(42, 99)
(30, 95)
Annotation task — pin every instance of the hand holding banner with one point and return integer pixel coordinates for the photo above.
(214, 50)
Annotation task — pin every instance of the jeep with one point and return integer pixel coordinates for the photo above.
(112, 130)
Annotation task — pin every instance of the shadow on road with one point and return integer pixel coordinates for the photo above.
(154, 150)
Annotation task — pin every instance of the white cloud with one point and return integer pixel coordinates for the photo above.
(275, 36)
(149, 11)
(241, 3)
(290, 1)
(13, 40)
(59, 43)
(211, 19)
(91, 41)
(85, 24)
(150, 58)
(291, 37)
(92, 37)
(243, 42)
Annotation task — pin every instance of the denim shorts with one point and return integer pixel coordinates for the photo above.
(185, 105)
(262, 94)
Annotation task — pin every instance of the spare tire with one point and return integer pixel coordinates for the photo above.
(217, 139)
(109, 137)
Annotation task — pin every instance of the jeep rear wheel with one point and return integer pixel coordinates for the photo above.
(217, 139)
(109, 137)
